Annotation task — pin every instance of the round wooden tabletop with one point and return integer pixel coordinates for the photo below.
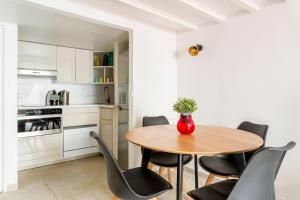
(206, 140)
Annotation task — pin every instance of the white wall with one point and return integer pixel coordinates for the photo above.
(1, 102)
(33, 91)
(9, 100)
(249, 70)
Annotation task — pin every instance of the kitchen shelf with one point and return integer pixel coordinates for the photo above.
(102, 75)
(102, 67)
(110, 83)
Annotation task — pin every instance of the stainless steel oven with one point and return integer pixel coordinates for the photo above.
(40, 121)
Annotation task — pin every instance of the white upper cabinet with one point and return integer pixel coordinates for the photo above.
(72, 65)
(66, 65)
(36, 56)
(84, 66)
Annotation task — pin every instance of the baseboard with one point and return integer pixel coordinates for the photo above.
(11, 187)
(60, 161)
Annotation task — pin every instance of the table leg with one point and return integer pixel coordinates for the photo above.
(146, 157)
(179, 177)
(196, 170)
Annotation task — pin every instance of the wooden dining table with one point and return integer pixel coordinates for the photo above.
(206, 140)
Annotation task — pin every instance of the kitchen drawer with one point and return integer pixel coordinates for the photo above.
(79, 119)
(87, 109)
(40, 155)
(22, 165)
(106, 113)
(81, 152)
(39, 143)
(79, 138)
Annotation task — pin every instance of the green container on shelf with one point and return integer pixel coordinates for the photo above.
(110, 58)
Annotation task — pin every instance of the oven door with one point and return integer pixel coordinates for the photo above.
(29, 127)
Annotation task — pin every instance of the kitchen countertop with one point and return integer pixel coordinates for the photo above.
(22, 107)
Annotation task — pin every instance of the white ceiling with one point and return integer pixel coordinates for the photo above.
(44, 27)
(180, 15)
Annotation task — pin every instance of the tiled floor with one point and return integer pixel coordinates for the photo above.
(75, 180)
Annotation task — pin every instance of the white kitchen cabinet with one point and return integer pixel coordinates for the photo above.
(36, 56)
(80, 116)
(79, 138)
(84, 66)
(78, 122)
(66, 65)
(39, 150)
(108, 129)
(80, 119)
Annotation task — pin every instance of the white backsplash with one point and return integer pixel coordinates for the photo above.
(33, 91)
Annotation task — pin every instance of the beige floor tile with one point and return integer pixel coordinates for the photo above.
(83, 179)
(41, 192)
(60, 172)
(71, 186)
(29, 179)
(98, 193)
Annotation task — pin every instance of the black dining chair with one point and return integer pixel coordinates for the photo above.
(255, 183)
(231, 166)
(133, 184)
(162, 159)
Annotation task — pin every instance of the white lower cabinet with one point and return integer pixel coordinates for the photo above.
(78, 123)
(74, 142)
(39, 150)
(108, 129)
(79, 138)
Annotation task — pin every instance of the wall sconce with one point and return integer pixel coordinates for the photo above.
(195, 49)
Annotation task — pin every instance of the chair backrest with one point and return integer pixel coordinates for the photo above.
(153, 121)
(157, 120)
(258, 129)
(257, 181)
(242, 159)
(115, 178)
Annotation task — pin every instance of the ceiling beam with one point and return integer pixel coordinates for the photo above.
(205, 11)
(246, 5)
(160, 13)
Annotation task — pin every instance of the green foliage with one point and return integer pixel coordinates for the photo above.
(185, 105)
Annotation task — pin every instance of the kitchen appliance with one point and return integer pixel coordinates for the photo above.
(64, 97)
(39, 121)
(52, 98)
(39, 73)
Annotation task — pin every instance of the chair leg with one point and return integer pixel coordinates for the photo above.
(115, 198)
(161, 171)
(170, 175)
(209, 179)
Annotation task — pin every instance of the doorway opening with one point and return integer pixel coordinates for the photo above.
(61, 56)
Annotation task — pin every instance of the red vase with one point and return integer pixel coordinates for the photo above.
(185, 124)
